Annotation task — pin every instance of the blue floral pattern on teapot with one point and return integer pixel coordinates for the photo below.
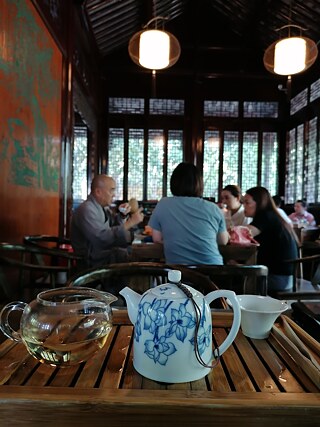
(157, 315)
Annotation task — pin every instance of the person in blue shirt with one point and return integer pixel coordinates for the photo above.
(189, 227)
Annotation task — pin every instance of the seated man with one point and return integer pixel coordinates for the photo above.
(301, 216)
(97, 233)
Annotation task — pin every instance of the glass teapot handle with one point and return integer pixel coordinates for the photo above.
(4, 319)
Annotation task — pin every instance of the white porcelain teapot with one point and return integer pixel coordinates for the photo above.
(173, 330)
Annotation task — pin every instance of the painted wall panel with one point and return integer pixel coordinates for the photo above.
(30, 123)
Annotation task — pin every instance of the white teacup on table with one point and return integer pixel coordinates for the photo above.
(258, 314)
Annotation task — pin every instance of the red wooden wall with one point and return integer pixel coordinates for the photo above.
(30, 123)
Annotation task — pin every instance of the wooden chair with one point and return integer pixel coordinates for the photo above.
(241, 279)
(47, 241)
(61, 246)
(20, 270)
(140, 276)
(306, 286)
(239, 254)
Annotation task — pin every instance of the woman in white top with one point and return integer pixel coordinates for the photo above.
(278, 202)
(234, 211)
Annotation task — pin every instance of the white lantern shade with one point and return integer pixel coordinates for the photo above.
(154, 49)
(290, 56)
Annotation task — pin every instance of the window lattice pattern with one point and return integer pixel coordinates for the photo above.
(116, 159)
(155, 164)
(230, 158)
(80, 162)
(249, 160)
(315, 90)
(299, 164)
(260, 109)
(291, 168)
(211, 164)
(126, 105)
(167, 107)
(311, 162)
(269, 163)
(135, 164)
(221, 108)
(299, 101)
(175, 154)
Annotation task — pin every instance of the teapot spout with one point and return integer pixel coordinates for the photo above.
(109, 297)
(132, 299)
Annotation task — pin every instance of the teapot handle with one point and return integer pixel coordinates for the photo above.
(223, 293)
(4, 319)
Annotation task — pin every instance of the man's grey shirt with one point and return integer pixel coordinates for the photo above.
(92, 235)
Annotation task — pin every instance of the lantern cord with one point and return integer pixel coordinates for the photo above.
(153, 83)
(156, 19)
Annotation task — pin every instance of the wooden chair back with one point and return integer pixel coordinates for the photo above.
(306, 286)
(47, 241)
(59, 245)
(140, 276)
(20, 268)
(241, 279)
(239, 254)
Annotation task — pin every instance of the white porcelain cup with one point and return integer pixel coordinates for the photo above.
(258, 314)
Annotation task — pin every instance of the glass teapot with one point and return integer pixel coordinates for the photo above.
(62, 326)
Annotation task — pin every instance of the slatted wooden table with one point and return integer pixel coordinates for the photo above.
(257, 383)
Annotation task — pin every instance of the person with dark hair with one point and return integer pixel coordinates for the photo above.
(189, 227)
(278, 241)
(300, 215)
(278, 202)
(231, 197)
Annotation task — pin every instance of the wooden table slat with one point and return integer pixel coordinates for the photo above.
(91, 370)
(42, 375)
(235, 368)
(65, 376)
(280, 371)
(20, 376)
(114, 370)
(257, 369)
(12, 360)
(217, 379)
(132, 379)
(290, 363)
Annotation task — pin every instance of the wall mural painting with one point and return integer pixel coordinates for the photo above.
(30, 90)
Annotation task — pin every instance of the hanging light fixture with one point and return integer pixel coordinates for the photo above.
(290, 55)
(154, 48)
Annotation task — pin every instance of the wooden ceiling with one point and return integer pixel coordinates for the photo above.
(216, 36)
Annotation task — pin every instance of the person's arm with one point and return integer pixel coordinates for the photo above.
(100, 234)
(311, 220)
(134, 219)
(156, 236)
(254, 230)
(223, 238)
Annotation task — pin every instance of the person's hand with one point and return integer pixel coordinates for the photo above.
(134, 219)
(124, 209)
(137, 217)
